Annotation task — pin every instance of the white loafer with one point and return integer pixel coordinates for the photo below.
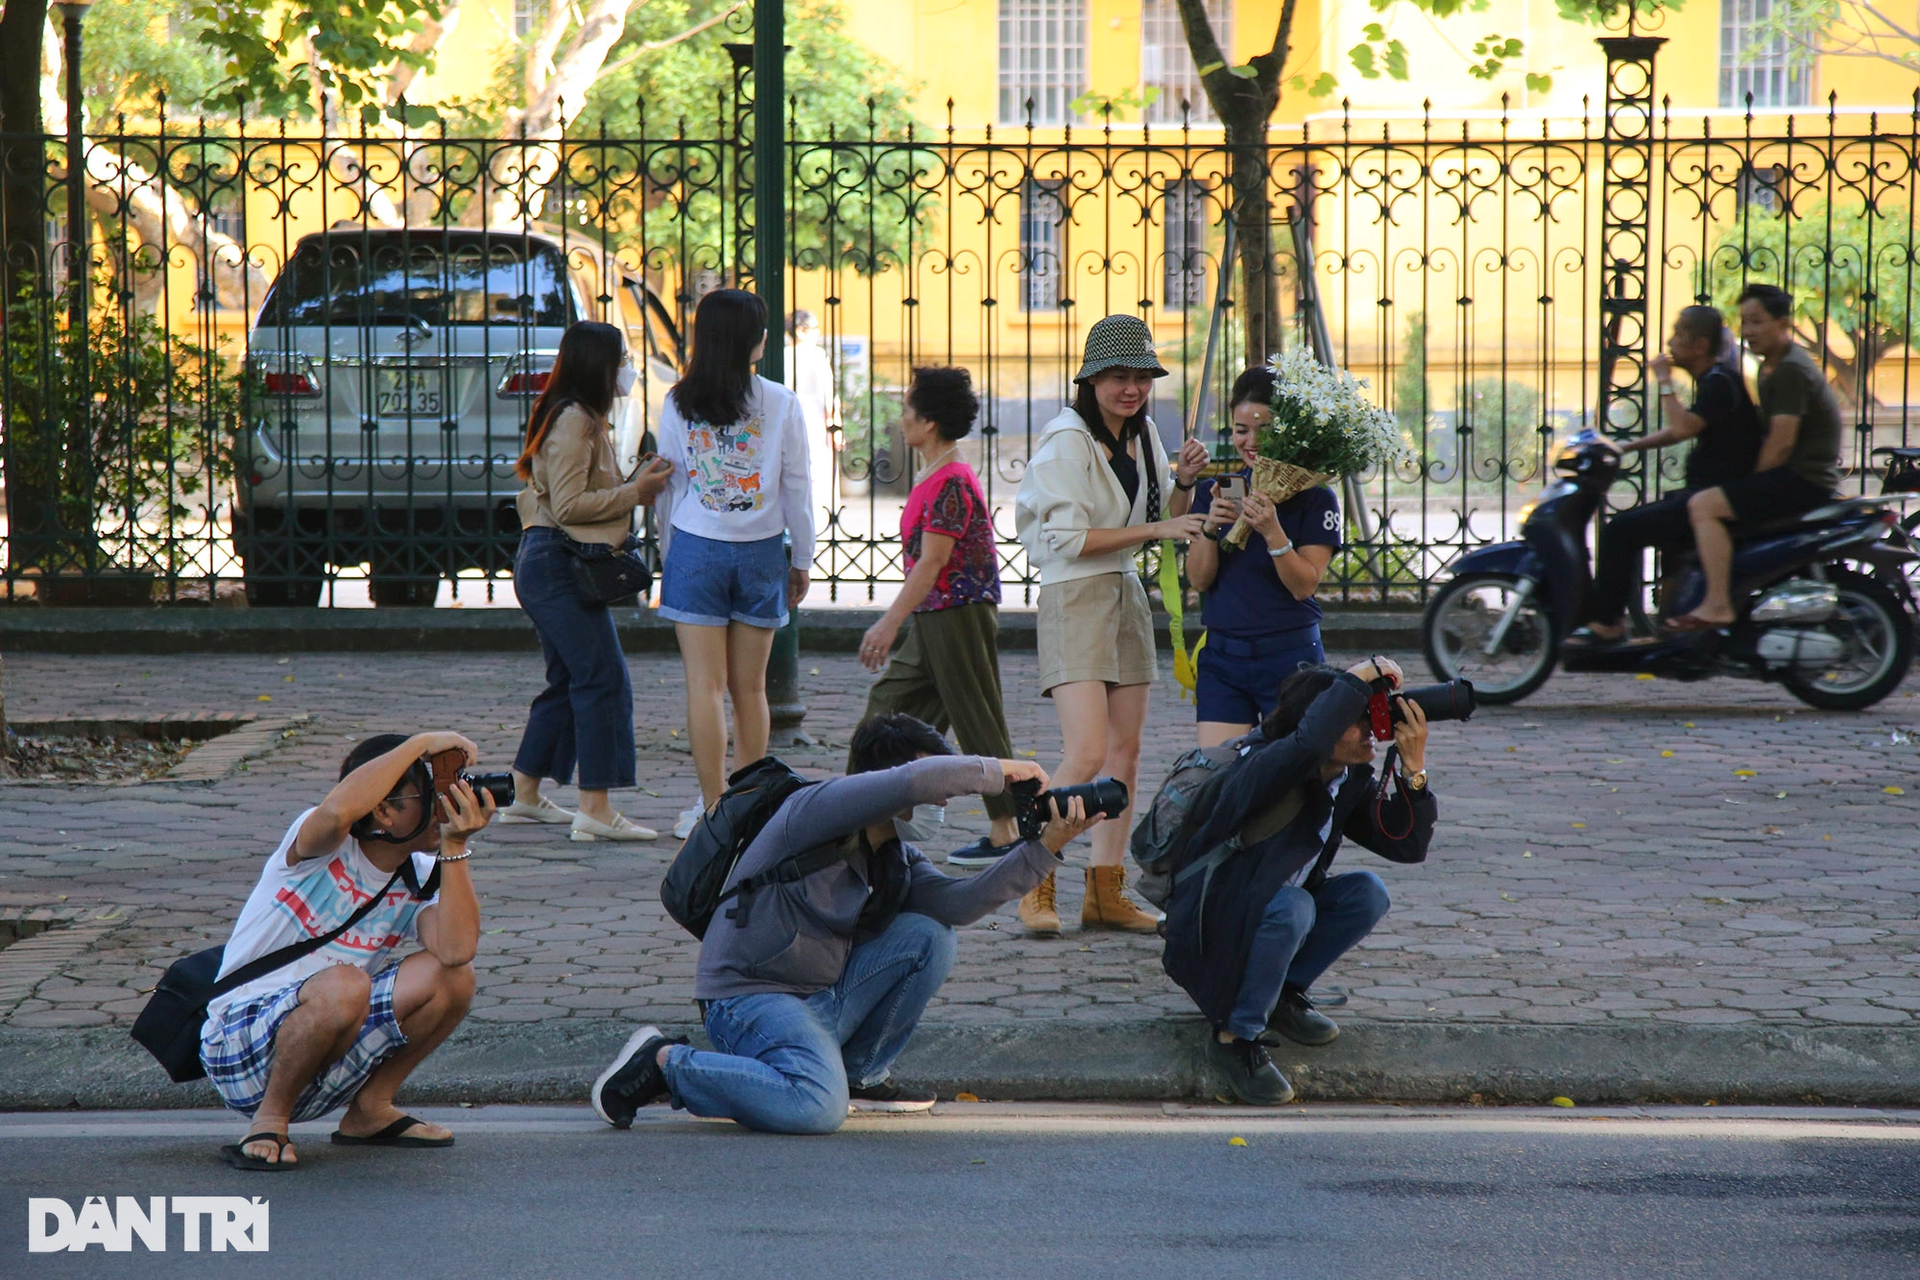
(585, 828)
(688, 820)
(545, 811)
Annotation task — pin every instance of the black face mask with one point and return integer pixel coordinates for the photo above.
(419, 779)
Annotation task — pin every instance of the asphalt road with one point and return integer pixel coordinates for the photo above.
(1038, 1190)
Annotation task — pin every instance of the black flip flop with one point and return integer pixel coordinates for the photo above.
(236, 1155)
(391, 1137)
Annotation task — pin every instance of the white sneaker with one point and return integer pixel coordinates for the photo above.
(585, 828)
(688, 820)
(545, 811)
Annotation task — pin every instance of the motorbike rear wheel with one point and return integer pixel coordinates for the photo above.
(1460, 620)
(1873, 625)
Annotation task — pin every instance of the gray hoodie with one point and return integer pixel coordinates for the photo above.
(798, 935)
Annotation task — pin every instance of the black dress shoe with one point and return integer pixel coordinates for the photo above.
(1296, 1019)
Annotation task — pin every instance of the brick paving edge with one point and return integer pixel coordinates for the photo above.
(1142, 1060)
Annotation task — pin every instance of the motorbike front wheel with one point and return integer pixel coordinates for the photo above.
(1878, 635)
(1459, 623)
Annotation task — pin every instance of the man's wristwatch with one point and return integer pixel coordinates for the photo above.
(1416, 781)
(1666, 389)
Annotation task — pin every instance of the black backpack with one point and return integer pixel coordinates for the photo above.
(695, 885)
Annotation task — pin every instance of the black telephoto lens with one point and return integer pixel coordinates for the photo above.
(1106, 796)
(1453, 700)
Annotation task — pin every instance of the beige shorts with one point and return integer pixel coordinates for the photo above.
(1098, 628)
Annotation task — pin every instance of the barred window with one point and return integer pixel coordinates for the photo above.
(1773, 71)
(1043, 59)
(523, 18)
(1184, 221)
(1041, 213)
(1167, 65)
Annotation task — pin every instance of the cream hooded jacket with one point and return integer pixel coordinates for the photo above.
(1069, 489)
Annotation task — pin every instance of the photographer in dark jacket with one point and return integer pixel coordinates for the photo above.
(1248, 938)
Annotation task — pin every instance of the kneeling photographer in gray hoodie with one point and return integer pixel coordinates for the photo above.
(812, 985)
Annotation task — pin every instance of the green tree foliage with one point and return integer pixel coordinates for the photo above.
(280, 58)
(1854, 278)
(1411, 398)
(854, 205)
(135, 51)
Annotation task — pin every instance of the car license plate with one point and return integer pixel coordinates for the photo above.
(407, 393)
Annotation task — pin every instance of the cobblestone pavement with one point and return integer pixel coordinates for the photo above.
(1611, 850)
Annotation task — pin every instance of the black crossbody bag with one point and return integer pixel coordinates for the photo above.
(169, 1027)
(604, 574)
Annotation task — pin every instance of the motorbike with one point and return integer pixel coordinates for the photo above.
(1823, 602)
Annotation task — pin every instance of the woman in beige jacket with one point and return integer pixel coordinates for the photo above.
(575, 491)
(1097, 489)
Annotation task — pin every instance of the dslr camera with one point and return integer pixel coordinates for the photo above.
(448, 769)
(1453, 700)
(1106, 797)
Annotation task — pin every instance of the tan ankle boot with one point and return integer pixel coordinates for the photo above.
(1107, 905)
(1037, 911)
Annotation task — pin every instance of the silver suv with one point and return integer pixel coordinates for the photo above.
(390, 373)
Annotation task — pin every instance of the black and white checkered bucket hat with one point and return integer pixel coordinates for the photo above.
(1119, 342)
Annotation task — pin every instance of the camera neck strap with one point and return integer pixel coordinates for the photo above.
(1390, 776)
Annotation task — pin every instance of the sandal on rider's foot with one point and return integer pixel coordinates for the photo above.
(1588, 638)
(1690, 622)
(236, 1155)
(394, 1135)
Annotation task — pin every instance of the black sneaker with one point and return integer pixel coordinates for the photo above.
(1296, 1019)
(633, 1079)
(1250, 1073)
(981, 853)
(888, 1096)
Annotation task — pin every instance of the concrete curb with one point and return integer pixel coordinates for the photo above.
(1157, 1060)
(31, 629)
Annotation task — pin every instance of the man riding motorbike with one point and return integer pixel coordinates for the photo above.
(1726, 437)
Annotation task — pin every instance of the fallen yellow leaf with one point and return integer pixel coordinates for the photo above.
(1894, 791)
(966, 1097)
(264, 698)
(1028, 754)
(1644, 675)
(1562, 1102)
(1687, 725)
(1743, 773)
(1579, 826)
(1236, 1142)
(1665, 754)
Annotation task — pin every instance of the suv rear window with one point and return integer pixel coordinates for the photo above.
(390, 280)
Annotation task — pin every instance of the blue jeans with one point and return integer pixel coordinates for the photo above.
(1300, 937)
(783, 1063)
(585, 714)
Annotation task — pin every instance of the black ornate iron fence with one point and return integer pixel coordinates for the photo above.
(301, 362)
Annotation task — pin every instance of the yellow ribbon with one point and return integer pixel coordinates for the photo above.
(1173, 599)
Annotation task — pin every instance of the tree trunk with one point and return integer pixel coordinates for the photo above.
(1252, 214)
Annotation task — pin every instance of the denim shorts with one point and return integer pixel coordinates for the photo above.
(1239, 679)
(708, 583)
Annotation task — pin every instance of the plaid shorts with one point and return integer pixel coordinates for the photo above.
(238, 1052)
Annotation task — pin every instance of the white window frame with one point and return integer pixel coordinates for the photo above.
(1773, 71)
(1042, 267)
(1166, 63)
(1183, 224)
(1043, 59)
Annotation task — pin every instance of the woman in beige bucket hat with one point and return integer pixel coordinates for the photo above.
(1098, 488)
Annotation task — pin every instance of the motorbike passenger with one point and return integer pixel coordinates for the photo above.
(1799, 465)
(1726, 436)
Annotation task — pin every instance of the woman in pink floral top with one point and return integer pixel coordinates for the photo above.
(947, 668)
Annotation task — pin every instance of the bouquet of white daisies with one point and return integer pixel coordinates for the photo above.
(1323, 426)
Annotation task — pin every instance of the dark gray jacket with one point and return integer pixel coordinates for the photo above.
(798, 935)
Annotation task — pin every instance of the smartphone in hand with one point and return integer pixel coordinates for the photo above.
(1233, 488)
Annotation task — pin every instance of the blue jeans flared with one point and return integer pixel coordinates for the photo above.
(585, 714)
